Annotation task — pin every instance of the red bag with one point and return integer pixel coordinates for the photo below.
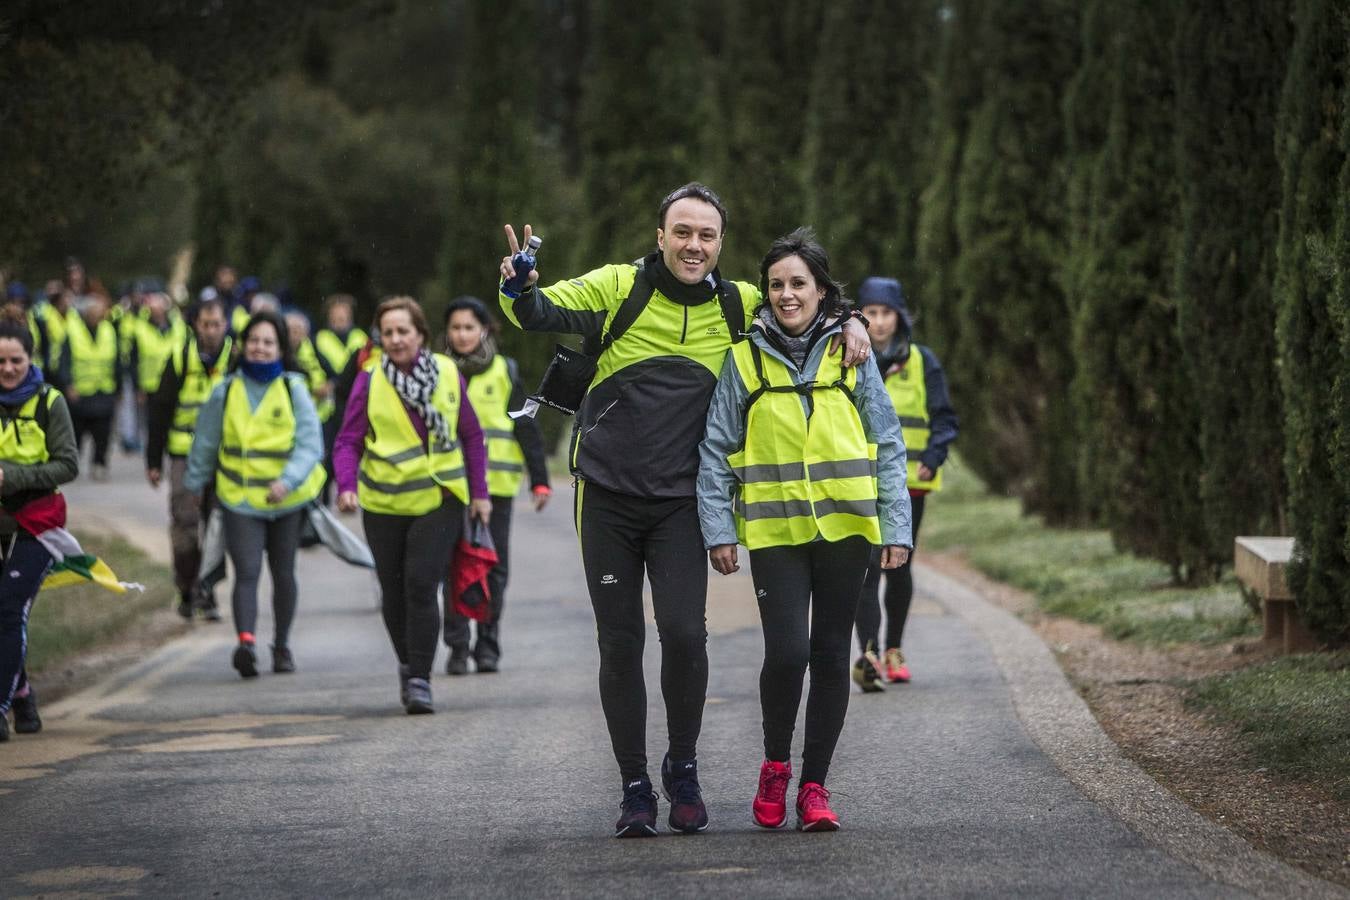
(473, 559)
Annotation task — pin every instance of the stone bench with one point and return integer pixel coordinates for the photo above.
(1260, 563)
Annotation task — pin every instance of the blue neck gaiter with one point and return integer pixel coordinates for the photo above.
(23, 390)
(261, 372)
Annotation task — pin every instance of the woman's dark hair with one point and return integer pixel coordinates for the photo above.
(13, 325)
(696, 191)
(802, 244)
(283, 340)
(475, 306)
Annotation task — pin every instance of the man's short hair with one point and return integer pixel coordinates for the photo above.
(698, 192)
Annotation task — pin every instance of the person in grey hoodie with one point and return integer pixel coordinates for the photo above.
(803, 463)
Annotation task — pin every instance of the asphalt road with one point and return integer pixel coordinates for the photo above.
(176, 778)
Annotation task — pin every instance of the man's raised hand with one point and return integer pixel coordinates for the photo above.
(508, 269)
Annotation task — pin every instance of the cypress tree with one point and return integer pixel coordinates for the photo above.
(648, 122)
(1013, 325)
(955, 90)
(502, 170)
(498, 168)
(1135, 409)
(865, 133)
(1230, 59)
(1312, 328)
(759, 175)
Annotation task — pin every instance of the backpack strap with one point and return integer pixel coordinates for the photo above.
(629, 310)
(729, 297)
(43, 414)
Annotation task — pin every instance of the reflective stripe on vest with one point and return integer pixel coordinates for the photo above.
(399, 476)
(195, 383)
(802, 478)
(22, 438)
(93, 358)
(255, 445)
(909, 395)
(490, 395)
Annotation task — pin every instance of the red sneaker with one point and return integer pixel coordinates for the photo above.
(813, 809)
(770, 806)
(896, 670)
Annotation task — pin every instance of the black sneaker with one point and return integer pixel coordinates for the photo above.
(458, 663)
(418, 697)
(26, 718)
(283, 663)
(204, 601)
(679, 782)
(185, 606)
(637, 812)
(246, 660)
(486, 664)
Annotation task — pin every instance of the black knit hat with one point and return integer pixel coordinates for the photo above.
(885, 292)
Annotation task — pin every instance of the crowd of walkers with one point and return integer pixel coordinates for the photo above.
(779, 416)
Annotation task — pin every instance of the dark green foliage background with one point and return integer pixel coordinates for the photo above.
(1124, 226)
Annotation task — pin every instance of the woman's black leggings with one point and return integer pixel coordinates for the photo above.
(246, 537)
(412, 555)
(25, 566)
(622, 537)
(899, 593)
(808, 595)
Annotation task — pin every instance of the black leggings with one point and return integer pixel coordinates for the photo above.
(899, 593)
(808, 595)
(246, 537)
(412, 555)
(25, 566)
(621, 536)
(98, 426)
(488, 647)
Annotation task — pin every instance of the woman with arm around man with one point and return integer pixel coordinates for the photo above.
(410, 455)
(803, 463)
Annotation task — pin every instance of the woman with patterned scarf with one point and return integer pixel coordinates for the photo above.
(410, 455)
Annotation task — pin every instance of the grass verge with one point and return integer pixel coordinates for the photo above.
(71, 620)
(1293, 712)
(1078, 573)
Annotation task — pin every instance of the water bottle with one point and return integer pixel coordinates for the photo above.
(524, 263)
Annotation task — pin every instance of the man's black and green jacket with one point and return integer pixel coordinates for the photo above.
(638, 430)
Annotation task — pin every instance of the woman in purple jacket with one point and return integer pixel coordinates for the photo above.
(410, 455)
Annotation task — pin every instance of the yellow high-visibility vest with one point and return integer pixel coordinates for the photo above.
(93, 357)
(195, 384)
(255, 445)
(308, 359)
(802, 478)
(909, 395)
(154, 347)
(334, 351)
(400, 475)
(23, 440)
(490, 395)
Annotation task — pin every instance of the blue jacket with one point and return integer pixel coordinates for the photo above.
(726, 433)
(201, 462)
